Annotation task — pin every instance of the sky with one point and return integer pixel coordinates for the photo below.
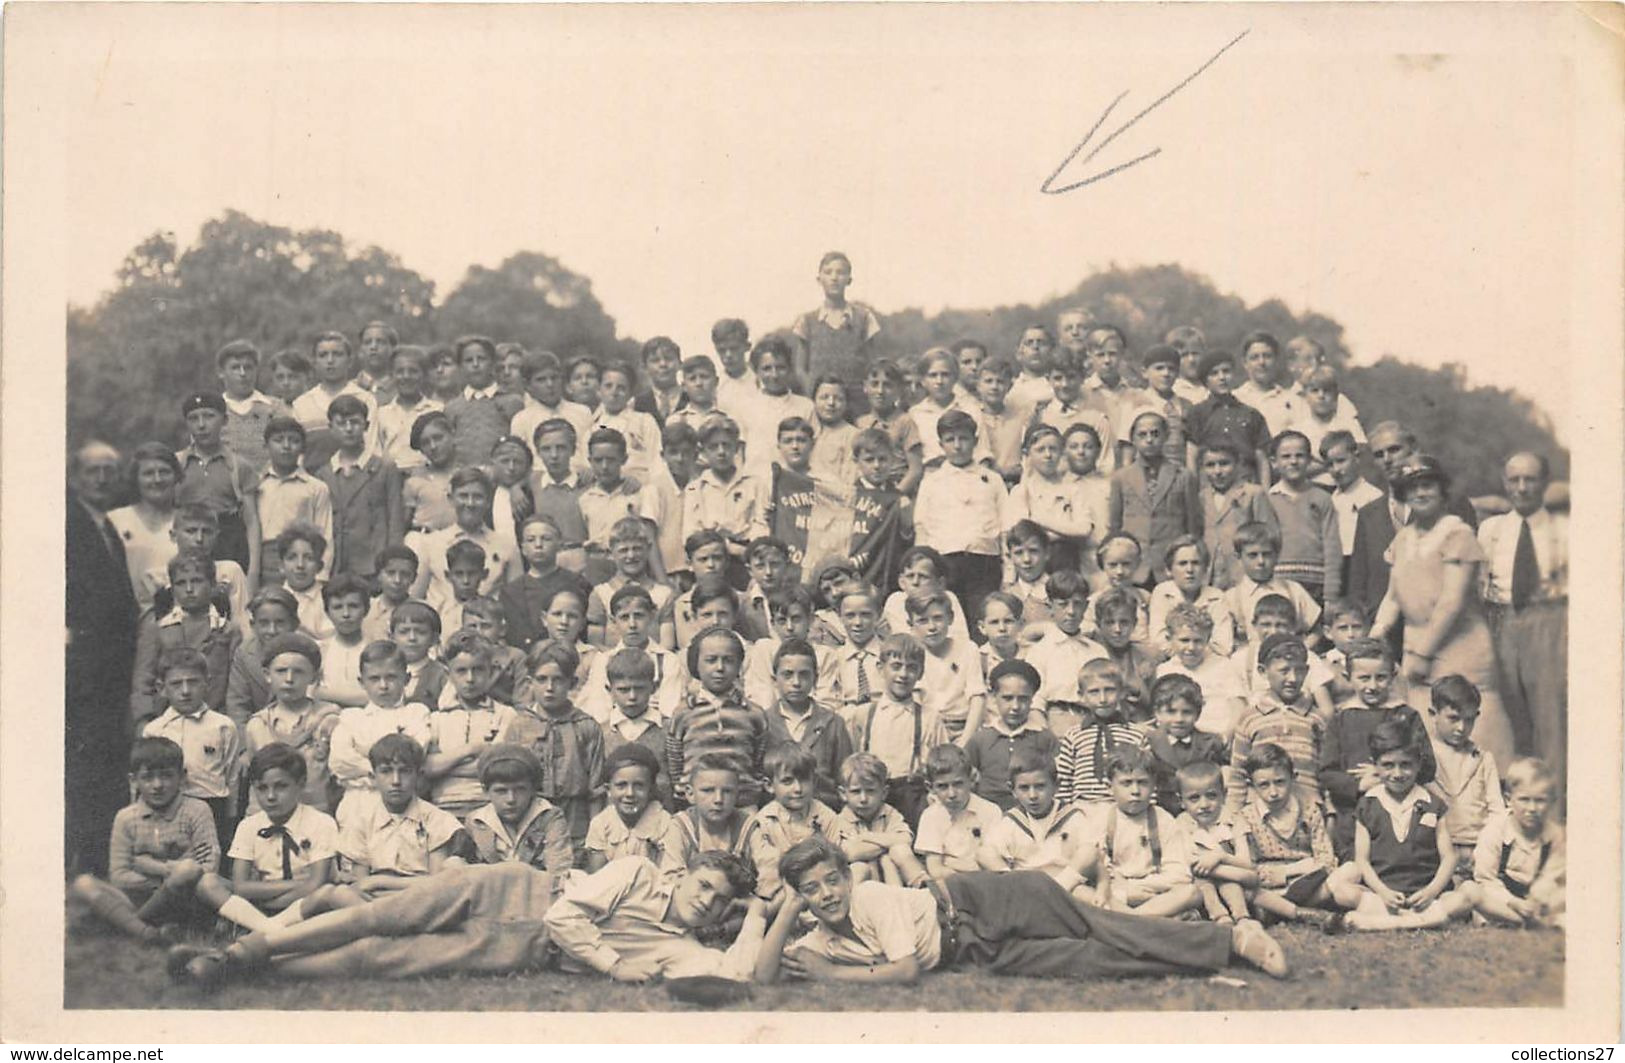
(1407, 173)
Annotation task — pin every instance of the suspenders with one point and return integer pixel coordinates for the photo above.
(1151, 836)
(869, 731)
(1519, 889)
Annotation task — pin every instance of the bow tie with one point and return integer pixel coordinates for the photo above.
(289, 846)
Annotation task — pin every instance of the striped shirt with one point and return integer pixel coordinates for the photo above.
(728, 727)
(1081, 767)
(1298, 729)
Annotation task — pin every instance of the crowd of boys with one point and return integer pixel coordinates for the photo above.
(471, 657)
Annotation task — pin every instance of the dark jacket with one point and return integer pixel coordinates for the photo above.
(826, 738)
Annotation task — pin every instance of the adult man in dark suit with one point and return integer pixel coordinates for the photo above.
(1392, 444)
(101, 622)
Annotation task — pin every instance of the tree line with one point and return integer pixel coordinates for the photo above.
(152, 337)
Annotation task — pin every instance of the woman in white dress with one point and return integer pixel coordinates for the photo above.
(144, 527)
(1433, 591)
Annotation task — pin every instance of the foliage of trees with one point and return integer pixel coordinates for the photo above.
(153, 337)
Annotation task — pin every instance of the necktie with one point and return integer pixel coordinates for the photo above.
(289, 846)
(864, 693)
(1102, 751)
(1525, 568)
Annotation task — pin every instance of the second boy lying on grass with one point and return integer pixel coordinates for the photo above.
(1017, 923)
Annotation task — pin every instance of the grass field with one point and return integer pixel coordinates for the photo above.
(1458, 967)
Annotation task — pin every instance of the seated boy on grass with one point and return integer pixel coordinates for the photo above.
(518, 825)
(1016, 922)
(163, 855)
(877, 840)
(632, 823)
(392, 835)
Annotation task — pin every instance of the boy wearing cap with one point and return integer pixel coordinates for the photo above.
(213, 476)
(1223, 417)
(1284, 715)
(518, 825)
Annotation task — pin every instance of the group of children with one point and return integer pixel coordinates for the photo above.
(387, 648)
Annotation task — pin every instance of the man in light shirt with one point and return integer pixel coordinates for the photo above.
(1526, 587)
(628, 921)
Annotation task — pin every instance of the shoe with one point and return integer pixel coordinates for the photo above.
(1259, 949)
(178, 956)
(1335, 924)
(201, 967)
(206, 971)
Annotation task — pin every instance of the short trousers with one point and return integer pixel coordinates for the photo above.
(1302, 889)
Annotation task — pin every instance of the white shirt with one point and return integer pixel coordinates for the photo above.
(889, 923)
(642, 433)
(1277, 405)
(1196, 393)
(759, 426)
(1344, 417)
(735, 396)
(926, 413)
(1059, 506)
(534, 415)
(1121, 403)
(1498, 536)
(1224, 693)
(961, 510)
(951, 681)
(1058, 658)
(395, 431)
(209, 745)
(341, 665)
(310, 409)
(1347, 505)
(603, 508)
(358, 729)
(891, 736)
(433, 584)
(1165, 597)
(315, 838)
(394, 841)
(737, 508)
(895, 615)
(1051, 844)
(957, 837)
(670, 679)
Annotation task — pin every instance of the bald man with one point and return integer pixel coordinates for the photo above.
(101, 619)
(1526, 590)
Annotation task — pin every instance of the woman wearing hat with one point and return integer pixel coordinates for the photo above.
(1433, 590)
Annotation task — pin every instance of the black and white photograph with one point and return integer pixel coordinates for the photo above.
(1012, 521)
